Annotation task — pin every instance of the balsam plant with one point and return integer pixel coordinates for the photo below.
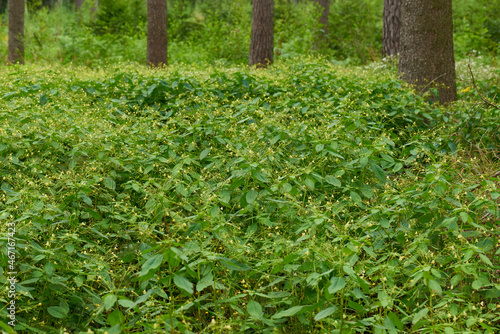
(304, 198)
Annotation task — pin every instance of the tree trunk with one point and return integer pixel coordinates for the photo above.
(392, 26)
(426, 57)
(325, 5)
(157, 33)
(262, 39)
(79, 3)
(16, 31)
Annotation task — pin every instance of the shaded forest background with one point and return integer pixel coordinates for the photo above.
(218, 32)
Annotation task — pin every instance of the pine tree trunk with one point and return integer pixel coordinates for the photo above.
(426, 57)
(325, 5)
(16, 31)
(392, 26)
(262, 39)
(157, 33)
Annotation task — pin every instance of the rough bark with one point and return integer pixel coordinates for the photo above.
(262, 38)
(392, 27)
(16, 31)
(325, 5)
(157, 33)
(426, 57)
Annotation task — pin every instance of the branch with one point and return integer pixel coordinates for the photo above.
(477, 89)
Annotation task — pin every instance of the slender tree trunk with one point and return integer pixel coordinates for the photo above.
(157, 33)
(426, 56)
(325, 5)
(16, 31)
(262, 38)
(95, 4)
(392, 27)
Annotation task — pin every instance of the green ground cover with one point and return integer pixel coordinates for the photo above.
(304, 198)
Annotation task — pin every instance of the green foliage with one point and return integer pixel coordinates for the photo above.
(303, 198)
(218, 32)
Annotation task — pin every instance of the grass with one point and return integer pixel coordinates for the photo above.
(304, 198)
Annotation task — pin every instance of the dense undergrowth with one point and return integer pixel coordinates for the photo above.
(304, 198)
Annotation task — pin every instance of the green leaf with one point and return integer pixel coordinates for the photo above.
(288, 313)
(379, 172)
(254, 309)
(434, 286)
(116, 329)
(251, 196)
(69, 248)
(309, 183)
(206, 281)
(356, 198)
(395, 320)
(233, 264)
(49, 269)
(333, 181)
(384, 298)
(152, 263)
(109, 300)
(115, 318)
(57, 312)
(397, 167)
(319, 147)
(485, 259)
(109, 183)
(422, 313)
(477, 284)
(336, 284)
(6, 328)
(183, 283)
(363, 161)
(204, 153)
(465, 217)
(449, 330)
(126, 303)
(325, 313)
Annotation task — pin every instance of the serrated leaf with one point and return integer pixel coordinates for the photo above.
(477, 284)
(363, 161)
(325, 313)
(379, 172)
(251, 196)
(485, 259)
(254, 309)
(333, 181)
(434, 286)
(126, 303)
(57, 312)
(206, 281)
(288, 313)
(109, 183)
(204, 153)
(465, 216)
(49, 269)
(109, 300)
(183, 283)
(420, 314)
(355, 197)
(319, 147)
(152, 263)
(336, 284)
